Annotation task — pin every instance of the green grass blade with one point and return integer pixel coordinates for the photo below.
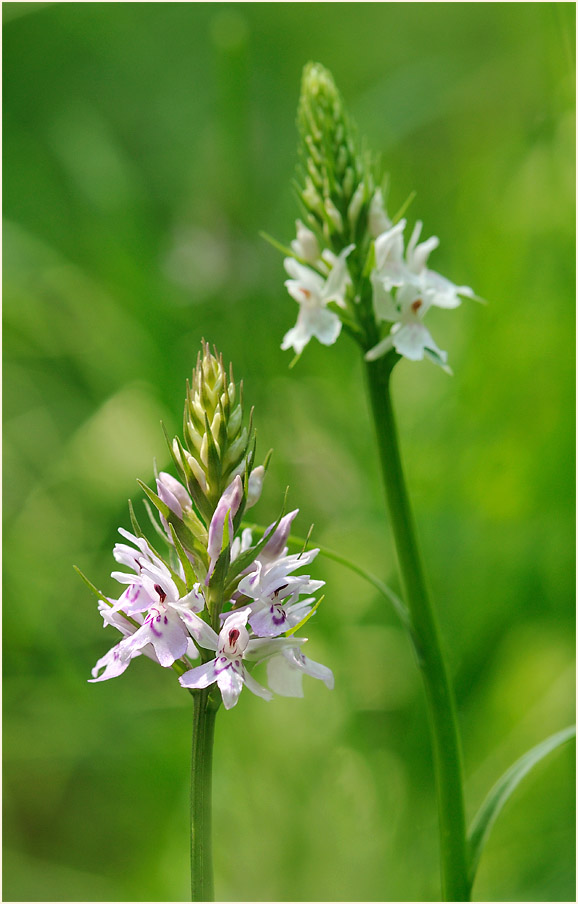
(499, 794)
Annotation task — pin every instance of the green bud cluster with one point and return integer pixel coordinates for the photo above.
(217, 445)
(337, 182)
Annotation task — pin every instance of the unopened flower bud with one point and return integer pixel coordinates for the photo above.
(356, 204)
(226, 509)
(255, 485)
(173, 494)
(306, 245)
(378, 220)
(334, 215)
(214, 435)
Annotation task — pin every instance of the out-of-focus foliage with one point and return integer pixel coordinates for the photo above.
(146, 144)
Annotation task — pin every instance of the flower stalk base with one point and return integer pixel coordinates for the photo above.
(204, 714)
(426, 639)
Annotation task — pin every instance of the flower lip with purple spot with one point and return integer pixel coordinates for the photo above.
(278, 615)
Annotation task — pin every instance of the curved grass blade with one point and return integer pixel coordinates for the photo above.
(499, 794)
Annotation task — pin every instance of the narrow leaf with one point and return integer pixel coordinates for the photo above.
(284, 249)
(499, 794)
(98, 593)
(156, 500)
(156, 526)
(102, 597)
(300, 624)
(403, 207)
(190, 576)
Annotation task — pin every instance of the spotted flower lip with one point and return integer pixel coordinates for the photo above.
(274, 579)
(269, 619)
(273, 590)
(164, 632)
(409, 336)
(226, 669)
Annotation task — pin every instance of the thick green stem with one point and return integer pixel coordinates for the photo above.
(443, 720)
(201, 786)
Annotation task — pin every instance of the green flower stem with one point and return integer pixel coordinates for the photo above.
(443, 720)
(204, 714)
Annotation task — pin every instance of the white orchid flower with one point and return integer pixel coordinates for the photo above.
(404, 289)
(313, 292)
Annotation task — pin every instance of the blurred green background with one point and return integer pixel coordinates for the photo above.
(146, 144)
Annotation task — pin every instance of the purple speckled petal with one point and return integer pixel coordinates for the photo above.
(269, 622)
(230, 683)
(201, 676)
(165, 631)
(134, 599)
(194, 601)
(201, 631)
(112, 663)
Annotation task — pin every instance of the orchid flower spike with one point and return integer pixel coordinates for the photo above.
(212, 572)
(351, 268)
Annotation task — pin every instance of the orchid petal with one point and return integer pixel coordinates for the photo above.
(255, 687)
(283, 679)
(173, 494)
(193, 601)
(411, 339)
(201, 631)
(112, 663)
(165, 631)
(230, 684)
(200, 676)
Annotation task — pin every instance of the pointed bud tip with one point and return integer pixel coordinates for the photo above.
(317, 79)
